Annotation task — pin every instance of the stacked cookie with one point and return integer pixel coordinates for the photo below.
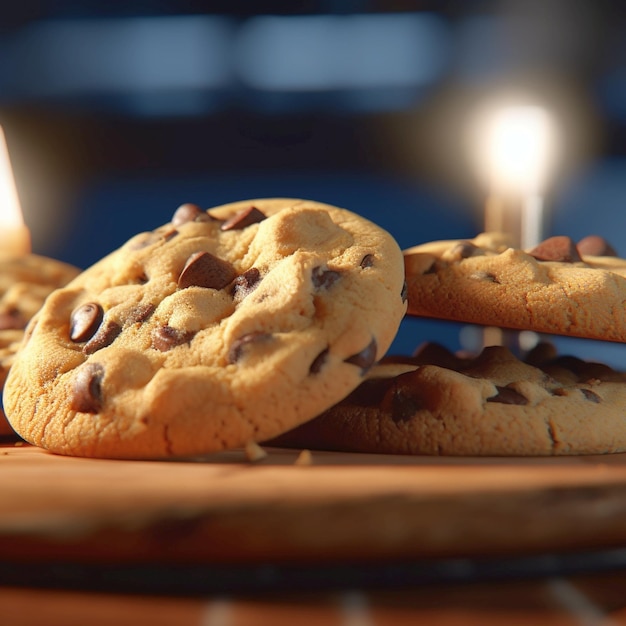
(268, 321)
(218, 328)
(25, 282)
(495, 403)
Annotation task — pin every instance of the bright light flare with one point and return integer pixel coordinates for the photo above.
(519, 147)
(14, 236)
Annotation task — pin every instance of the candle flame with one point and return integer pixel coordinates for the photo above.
(10, 210)
(14, 236)
(519, 144)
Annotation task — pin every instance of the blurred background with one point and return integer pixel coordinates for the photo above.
(117, 113)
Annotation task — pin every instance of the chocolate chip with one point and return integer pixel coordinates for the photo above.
(591, 395)
(367, 261)
(464, 250)
(105, 336)
(560, 248)
(140, 313)
(404, 405)
(243, 219)
(404, 294)
(318, 362)
(364, 359)
(85, 321)
(506, 395)
(87, 389)
(186, 213)
(594, 245)
(165, 338)
(237, 349)
(246, 282)
(205, 270)
(12, 320)
(324, 279)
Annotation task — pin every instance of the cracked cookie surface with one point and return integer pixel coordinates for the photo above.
(218, 328)
(25, 282)
(495, 404)
(559, 287)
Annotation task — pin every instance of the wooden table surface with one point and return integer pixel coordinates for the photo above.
(348, 539)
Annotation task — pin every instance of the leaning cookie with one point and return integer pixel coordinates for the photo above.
(219, 328)
(490, 405)
(559, 287)
(25, 282)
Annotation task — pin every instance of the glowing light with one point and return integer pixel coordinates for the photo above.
(14, 236)
(519, 146)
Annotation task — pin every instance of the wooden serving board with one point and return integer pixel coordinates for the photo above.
(341, 508)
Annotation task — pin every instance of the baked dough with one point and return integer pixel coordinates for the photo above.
(218, 328)
(495, 404)
(559, 287)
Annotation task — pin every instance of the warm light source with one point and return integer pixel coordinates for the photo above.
(514, 149)
(517, 148)
(14, 235)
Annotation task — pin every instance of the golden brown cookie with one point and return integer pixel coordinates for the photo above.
(218, 328)
(25, 282)
(559, 287)
(491, 405)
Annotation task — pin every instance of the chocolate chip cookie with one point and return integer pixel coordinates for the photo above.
(559, 287)
(25, 282)
(494, 404)
(221, 327)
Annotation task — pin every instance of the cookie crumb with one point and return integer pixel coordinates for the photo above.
(304, 458)
(254, 452)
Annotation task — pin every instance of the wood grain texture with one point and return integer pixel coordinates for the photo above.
(343, 507)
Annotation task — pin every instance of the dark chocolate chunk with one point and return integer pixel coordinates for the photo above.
(187, 212)
(87, 389)
(140, 313)
(594, 245)
(105, 336)
(560, 248)
(367, 261)
(591, 395)
(12, 320)
(246, 282)
(243, 219)
(404, 294)
(506, 395)
(432, 268)
(85, 321)
(165, 338)
(324, 279)
(205, 270)
(364, 359)
(318, 362)
(404, 405)
(464, 250)
(237, 349)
